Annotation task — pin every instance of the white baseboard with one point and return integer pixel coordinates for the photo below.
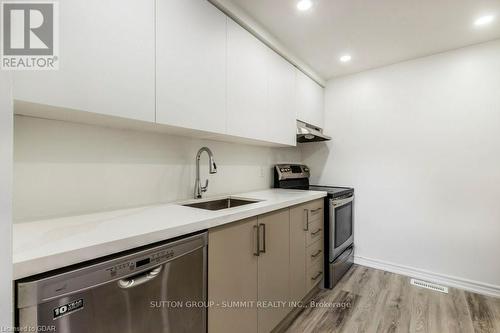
(450, 281)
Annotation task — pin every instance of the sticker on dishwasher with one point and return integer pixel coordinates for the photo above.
(66, 309)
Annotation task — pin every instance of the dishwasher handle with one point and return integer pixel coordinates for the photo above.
(137, 280)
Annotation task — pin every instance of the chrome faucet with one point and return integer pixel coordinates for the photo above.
(198, 189)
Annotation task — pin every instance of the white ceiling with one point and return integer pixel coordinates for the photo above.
(374, 32)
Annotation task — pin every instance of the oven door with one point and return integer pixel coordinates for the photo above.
(341, 226)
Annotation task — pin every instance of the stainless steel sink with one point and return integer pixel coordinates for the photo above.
(224, 203)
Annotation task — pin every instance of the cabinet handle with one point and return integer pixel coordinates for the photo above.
(315, 210)
(314, 278)
(257, 247)
(263, 238)
(306, 228)
(316, 254)
(314, 233)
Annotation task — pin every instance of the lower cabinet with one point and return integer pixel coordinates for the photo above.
(298, 252)
(232, 277)
(306, 248)
(273, 269)
(256, 266)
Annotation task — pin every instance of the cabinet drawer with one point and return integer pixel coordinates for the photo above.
(315, 232)
(314, 253)
(315, 210)
(314, 274)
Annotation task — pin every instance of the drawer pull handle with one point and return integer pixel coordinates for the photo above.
(314, 255)
(314, 278)
(314, 233)
(257, 237)
(263, 238)
(313, 211)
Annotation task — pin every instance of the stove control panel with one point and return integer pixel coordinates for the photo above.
(291, 171)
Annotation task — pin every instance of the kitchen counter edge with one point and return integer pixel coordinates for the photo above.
(60, 245)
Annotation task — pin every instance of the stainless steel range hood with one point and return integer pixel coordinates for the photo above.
(310, 133)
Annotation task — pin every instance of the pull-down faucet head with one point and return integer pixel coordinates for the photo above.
(211, 162)
(198, 189)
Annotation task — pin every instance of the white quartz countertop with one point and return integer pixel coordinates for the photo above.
(45, 245)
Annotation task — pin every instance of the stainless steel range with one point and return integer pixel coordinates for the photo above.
(339, 232)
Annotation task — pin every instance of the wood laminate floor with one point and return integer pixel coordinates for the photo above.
(371, 300)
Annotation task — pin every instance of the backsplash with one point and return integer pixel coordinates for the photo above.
(63, 168)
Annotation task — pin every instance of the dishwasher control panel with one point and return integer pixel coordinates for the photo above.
(152, 259)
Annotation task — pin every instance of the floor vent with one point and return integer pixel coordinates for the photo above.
(428, 285)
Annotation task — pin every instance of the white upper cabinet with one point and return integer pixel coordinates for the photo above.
(247, 87)
(191, 65)
(309, 100)
(280, 119)
(181, 63)
(106, 60)
(260, 87)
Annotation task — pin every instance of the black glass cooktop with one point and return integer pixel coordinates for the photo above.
(333, 191)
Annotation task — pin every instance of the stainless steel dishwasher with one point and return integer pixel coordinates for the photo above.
(157, 289)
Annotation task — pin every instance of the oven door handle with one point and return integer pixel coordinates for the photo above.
(341, 202)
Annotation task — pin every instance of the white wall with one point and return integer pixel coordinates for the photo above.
(5, 201)
(63, 168)
(420, 142)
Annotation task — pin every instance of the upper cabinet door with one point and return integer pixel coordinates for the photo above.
(106, 60)
(247, 87)
(280, 120)
(260, 89)
(191, 65)
(309, 100)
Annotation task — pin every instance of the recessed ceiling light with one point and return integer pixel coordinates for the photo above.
(483, 20)
(304, 5)
(345, 58)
